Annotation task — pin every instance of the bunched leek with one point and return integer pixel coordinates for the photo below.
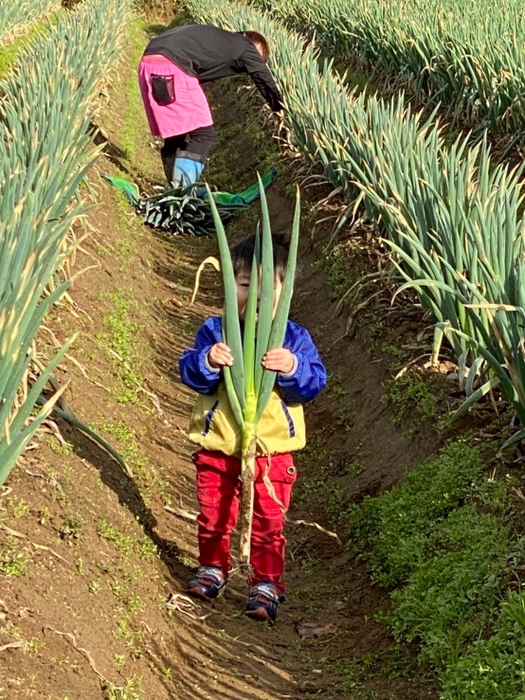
(247, 382)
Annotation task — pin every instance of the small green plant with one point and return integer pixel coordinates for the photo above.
(348, 671)
(44, 516)
(134, 604)
(335, 387)
(123, 543)
(130, 450)
(132, 638)
(185, 559)
(35, 644)
(120, 342)
(410, 395)
(147, 550)
(58, 447)
(355, 467)
(303, 491)
(71, 528)
(337, 266)
(335, 505)
(343, 418)
(395, 350)
(94, 587)
(133, 576)
(117, 589)
(308, 562)
(123, 630)
(81, 569)
(129, 691)
(13, 559)
(20, 507)
(119, 659)
(123, 432)
(315, 451)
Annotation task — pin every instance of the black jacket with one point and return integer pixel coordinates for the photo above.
(209, 53)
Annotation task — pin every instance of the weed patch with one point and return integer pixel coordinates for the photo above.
(131, 451)
(126, 692)
(399, 522)
(411, 395)
(127, 438)
(123, 543)
(339, 270)
(20, 507)
(58, 447)
(13, 559)
(444, 541)
(71, 528)
(494, 668)
(120, 343)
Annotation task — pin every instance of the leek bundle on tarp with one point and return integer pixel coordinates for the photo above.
(247, 382)
(179, 210)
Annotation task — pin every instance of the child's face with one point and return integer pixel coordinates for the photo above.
(242, 282)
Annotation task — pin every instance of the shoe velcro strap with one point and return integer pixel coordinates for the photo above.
(268, 590)
(210, 574)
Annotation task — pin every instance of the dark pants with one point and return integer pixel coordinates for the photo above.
(198, 142)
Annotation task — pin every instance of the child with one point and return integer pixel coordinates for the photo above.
(174, 65)
(300, 377)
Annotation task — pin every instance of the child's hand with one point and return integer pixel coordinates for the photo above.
(220, 355)
(279, 360)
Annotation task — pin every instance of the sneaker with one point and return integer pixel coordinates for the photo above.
(207, 583)
(263, 600)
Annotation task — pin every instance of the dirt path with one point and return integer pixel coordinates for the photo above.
(83, 607)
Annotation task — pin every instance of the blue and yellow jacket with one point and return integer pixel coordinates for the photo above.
(281, 428)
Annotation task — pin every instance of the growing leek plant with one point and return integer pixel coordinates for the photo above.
(16, 17)
(45, 152)
(452, 217)
(248, 384)
(466, 55)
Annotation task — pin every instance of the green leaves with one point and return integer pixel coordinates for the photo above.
(472, 66)
(264, 325)
(452, 218)
(17, 16)
(45, 152)
(443, 541)
(234, 375)
(177, 211)
(280, 321)
(249, 385)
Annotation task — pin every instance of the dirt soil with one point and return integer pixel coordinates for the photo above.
(93, 564)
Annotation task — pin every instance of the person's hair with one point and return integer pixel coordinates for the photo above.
(260, 42)
(242, 255)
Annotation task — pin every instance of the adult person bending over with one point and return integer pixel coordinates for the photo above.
(171, 71)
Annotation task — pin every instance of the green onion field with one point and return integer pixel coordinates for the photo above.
(402, 147)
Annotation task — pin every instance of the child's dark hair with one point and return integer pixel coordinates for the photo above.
(242, 255)
(260, 42)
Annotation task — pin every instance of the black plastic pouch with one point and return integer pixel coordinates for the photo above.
(163, 89)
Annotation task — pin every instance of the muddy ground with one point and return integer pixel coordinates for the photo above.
(90, 554)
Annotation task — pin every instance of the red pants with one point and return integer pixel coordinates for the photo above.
(218, 491)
